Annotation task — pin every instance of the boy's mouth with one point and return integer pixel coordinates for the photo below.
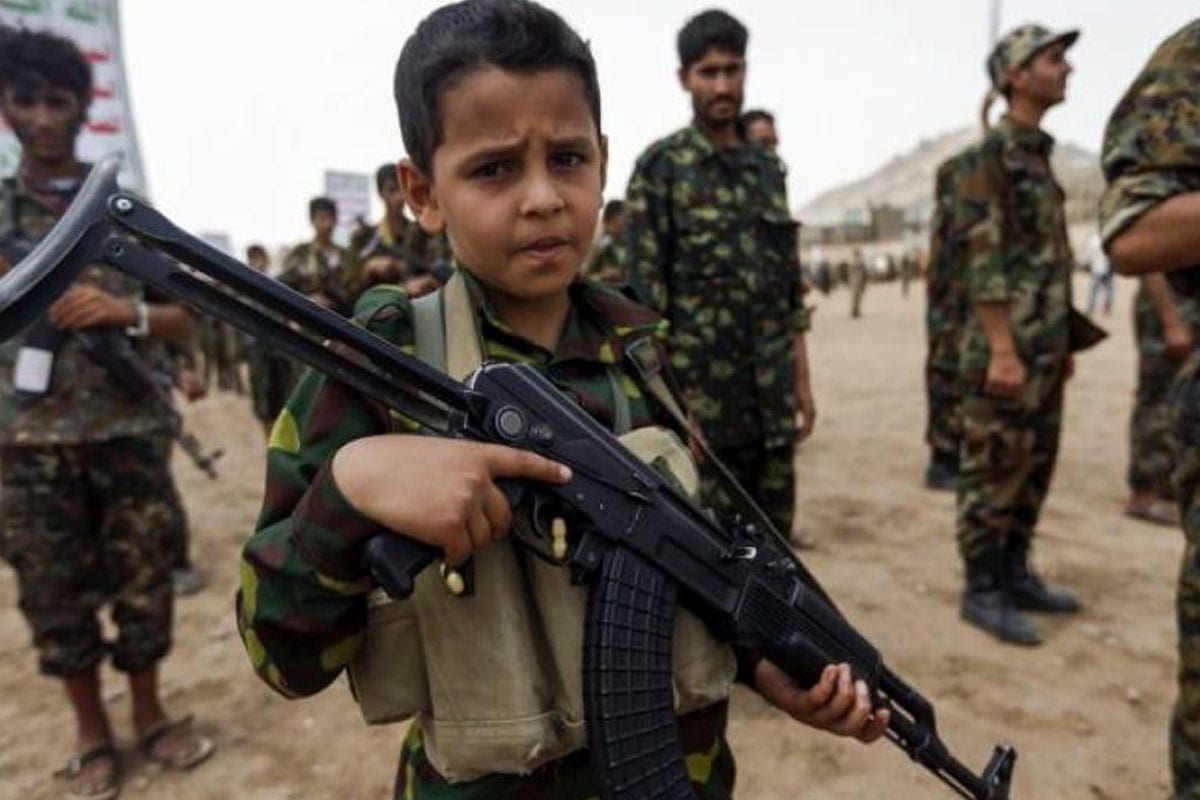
(544, 246)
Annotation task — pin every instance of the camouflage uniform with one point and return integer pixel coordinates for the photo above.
(86, 501)
(710, 243)
(1152, 153)
(604, 264)
(383, 241)
(1151, 443)
(310, 270)
(1015, 252)
(946, 310)
(272, 378)
(302, 607)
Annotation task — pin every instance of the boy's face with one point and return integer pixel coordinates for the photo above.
(517, 179)
(45, 121)
(393, 198)
(716, 82)
(323, 221)
(1044, 78)
(762, 133)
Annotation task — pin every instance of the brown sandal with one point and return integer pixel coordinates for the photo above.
(74, 768)
(197, 749)
(1157, 511)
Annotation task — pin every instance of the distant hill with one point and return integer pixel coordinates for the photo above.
(906, 181)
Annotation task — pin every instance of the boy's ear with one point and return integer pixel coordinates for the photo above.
(421, 196)
(603, 163)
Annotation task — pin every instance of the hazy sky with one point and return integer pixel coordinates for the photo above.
(242, 104)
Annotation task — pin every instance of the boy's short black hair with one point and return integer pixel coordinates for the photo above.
(516, 35)
(321, 204)
(255, 250)
(36, 60)
(756, 115)
(613, 208)
(712, 28)
(384, 175)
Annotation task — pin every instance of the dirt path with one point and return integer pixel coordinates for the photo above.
(1087, 710)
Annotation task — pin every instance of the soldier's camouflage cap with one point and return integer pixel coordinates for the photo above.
(1020, 45)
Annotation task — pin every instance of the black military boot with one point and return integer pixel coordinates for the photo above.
(942, 473)
(1029, 591)
(987, 605)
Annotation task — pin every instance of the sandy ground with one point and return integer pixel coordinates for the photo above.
(1088, 710)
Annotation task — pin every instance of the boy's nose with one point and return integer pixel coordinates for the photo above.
(541, 196)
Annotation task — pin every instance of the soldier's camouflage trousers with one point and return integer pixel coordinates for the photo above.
(83, 526)
(1150, 437)
(1185, 721)
(768, 473)
(943, 428)
(1006, 461)
(708, 759)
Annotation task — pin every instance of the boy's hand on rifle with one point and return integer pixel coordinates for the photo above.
(440, 491)
(92, 307)
(835, 703)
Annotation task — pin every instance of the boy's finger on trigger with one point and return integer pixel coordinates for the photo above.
(498, 511)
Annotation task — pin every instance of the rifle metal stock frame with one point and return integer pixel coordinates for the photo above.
(636, 539)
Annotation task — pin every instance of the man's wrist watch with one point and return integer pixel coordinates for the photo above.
(141, 328)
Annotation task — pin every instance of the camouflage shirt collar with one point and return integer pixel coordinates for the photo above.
(1034, 139)
(600, 323)
(697, 140)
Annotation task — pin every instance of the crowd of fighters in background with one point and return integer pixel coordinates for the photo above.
(704, 236)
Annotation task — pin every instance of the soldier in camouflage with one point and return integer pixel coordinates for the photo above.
(1015, 346)
(1150, 221)
(320, 268)
(711, 245)
(945, 312)
(385, 254)
(84, 497)
(527, 86)
(272, 374)
(604, 264)
(1165, 324)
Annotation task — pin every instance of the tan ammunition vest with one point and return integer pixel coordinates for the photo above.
(495, 679)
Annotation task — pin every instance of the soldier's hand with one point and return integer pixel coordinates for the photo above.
(92, 307)
(806, 413)
(190, 384)
(1178, 339)
(420, 286)
(440, 491)
(1006, 376)
(836, 703)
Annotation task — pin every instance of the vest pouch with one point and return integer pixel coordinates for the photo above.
(387, 675)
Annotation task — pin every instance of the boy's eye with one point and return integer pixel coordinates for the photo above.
(569, 159)
(492, 169)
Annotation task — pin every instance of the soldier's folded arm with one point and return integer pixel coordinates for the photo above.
(647, 236)
(1165, 236)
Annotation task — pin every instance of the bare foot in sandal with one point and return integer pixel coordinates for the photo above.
(95, 773)
(174, 744)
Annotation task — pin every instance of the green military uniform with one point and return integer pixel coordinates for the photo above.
(310, 270)
(946, 309)
(1017, 253)
(1151, 443)
(272, 378)
(1152, 153)
(605, 262)
(86, 501)
(303, 605)
(711, 244)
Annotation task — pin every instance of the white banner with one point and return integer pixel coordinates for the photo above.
(95, 26)
(352, 193)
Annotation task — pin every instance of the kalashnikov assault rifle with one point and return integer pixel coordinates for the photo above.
(111, 349)
(638, 542)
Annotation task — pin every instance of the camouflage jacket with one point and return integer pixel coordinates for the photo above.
(309, 271)
(83, 403)
(946, 306)
(711, 244)
(1016, 249)
(1152, 142)
(302, 606)
(604, 263)
(1148, 326)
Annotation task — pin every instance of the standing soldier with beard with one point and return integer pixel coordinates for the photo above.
(711, 244)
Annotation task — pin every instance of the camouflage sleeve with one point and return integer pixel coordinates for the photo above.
(801, 313)
(301, 607)
(647, 246)
(985, 263)
(291, 270)
(1152, 142)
